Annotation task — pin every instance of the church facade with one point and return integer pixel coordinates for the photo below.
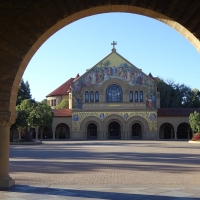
(115, 100)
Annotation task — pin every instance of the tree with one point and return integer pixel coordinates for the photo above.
(174, 95)
(44, 101)
(24, 92)
(23, 120)
(192, 99)
(170, 94)
(64, 104)
(43, 115)
(194, 120)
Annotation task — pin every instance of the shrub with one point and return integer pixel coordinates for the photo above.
(196, 137)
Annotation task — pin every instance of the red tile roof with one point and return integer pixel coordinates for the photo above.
(63, 89)
(62, 112)
(176, 111)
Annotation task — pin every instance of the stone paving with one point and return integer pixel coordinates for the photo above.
(105, 170)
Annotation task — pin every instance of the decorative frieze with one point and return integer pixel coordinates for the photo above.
(149, 116)
(7, 118)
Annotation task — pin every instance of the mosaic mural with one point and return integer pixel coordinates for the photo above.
(150, 117)
(112, 67)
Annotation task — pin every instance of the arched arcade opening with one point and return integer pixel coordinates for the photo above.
(62, 131)
(184, 131)
(166, 131)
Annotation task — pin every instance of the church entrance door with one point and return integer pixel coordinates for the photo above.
(136, 131)
(92, 131)
(114, 130)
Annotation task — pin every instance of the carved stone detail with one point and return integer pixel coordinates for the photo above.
(7, 118)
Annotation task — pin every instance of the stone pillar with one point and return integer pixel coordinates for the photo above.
(54, 135)
(175, 135)
(6, 120)
(158, 135)
(36, 131)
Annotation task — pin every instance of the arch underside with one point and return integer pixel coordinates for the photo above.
(26, 25)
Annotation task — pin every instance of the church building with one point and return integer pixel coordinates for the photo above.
(115, 100)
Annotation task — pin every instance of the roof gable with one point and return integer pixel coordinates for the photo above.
(112, 66)
(63, 89)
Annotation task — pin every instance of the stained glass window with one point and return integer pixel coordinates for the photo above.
(86, 96)
(141, 96)
(131, 96)
(114, 93)
(96, 96)
(92, 96)
(136, 96)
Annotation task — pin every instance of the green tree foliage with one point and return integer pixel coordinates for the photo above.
(63, 104)
(44, 115)
(192, 99)
(174, 95)
(32, 114)
(44, 101)
(24, 92)
(23, 120)
(194, 120)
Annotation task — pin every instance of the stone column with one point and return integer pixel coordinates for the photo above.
(54, 135)
(175, 135)
(158, 134)
(6, 120)
(36, 131)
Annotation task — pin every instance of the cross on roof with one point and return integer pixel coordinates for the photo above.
(114, 43)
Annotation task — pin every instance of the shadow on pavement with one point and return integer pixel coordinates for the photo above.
(88, 194)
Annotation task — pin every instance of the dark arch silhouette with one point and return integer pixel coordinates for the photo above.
(62, 131)
(114, 130)
(92, 131)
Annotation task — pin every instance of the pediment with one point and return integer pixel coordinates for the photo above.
(112, 66)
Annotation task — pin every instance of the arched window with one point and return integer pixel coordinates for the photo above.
(114, 93)
(141, 96)
(136, 96)
(96, 96)
(91, 96)
(86, 96)
(131, 96)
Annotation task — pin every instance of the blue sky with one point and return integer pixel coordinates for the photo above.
(147, 43)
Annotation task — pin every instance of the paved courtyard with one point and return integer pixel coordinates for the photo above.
(105, 170)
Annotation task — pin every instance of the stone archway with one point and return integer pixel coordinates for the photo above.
(62, 131)
(141, 125)
(166, 131)
(91, 120)
(184, 131)
(24, 28)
